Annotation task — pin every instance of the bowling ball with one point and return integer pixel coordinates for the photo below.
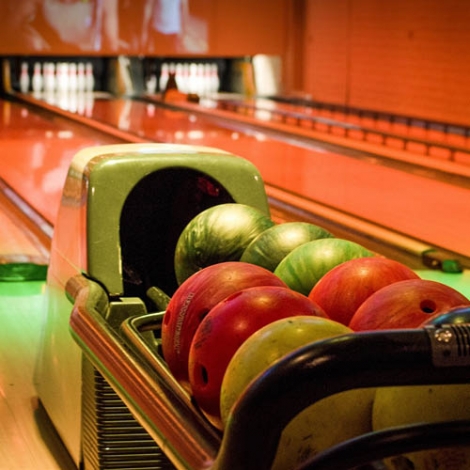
(406, 304)
(399, 406)
(194, 298)
(344, 288)
(316, 428)
(272, 245)
(304, 266)
(226, 327)
(220, 233)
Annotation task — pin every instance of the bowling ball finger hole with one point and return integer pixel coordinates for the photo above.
(428, 306)
(202, 375)
(203, 314)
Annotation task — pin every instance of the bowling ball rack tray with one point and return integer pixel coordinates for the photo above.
(121, 339)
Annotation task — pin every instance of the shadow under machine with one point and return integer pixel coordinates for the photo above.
(100, 375)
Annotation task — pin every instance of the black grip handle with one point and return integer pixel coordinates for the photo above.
(358, 360)
(375, 446)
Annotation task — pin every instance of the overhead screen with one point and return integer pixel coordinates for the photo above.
(105, 27)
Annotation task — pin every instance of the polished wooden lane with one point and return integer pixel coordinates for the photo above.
(36, 153)
(414, 204)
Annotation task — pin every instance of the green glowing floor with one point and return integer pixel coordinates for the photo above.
(459, 281)
(27, 439)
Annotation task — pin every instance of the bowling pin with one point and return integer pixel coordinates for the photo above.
(62, 76)
(215, 81)
(24, 78)
(151, 84)
(180, 78)
(192, 78)
(49, 77)
(81, 76)
(37, 78)
(53, 73)
(200, 85)
(186, 77)
(89, 77)
(72, 82)
(208, 78)
(163, 77)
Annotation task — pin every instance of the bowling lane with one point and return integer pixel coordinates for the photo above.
(36, 152)
(412, 153)
(429, 210)
(331, 118)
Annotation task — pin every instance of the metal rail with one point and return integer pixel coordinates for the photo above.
(346, 129)
(450, 128)
(445, 128)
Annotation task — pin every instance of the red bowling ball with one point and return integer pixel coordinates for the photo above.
(406, 304)
(226, 327)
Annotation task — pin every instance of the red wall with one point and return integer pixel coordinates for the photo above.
(406, 56)
(248, 27)
(326, 50)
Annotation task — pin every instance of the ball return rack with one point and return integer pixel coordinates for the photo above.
(101, 375)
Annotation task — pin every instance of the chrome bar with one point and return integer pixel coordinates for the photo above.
(165, 413)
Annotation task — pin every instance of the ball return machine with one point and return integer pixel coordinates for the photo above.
(101, 376)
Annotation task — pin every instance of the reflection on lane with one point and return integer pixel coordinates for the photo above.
(36, 153)
(432, 211)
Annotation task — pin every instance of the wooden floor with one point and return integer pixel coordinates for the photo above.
(27, 439)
